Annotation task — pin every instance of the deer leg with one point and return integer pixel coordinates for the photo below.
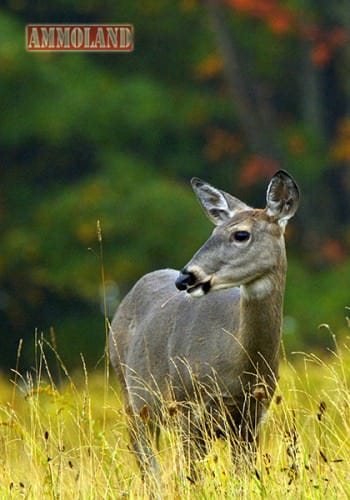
(193, 442)
(143, 435)
(243, 452)
(244, 434)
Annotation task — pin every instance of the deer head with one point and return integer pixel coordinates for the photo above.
(247, 245)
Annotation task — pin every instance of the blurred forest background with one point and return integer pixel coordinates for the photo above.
(229, 91)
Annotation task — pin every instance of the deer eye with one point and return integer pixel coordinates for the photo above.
(240, 236)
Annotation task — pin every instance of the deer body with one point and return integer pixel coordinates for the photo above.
(221, 332)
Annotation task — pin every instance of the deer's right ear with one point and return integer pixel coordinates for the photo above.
(282, 197)
(218, 205)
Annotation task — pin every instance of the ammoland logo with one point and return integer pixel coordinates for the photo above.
(80, 37)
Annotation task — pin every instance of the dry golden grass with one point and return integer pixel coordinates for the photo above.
(70, 441)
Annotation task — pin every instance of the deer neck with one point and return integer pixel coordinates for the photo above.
(261, 312)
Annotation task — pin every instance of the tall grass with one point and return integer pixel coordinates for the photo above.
(70, 440)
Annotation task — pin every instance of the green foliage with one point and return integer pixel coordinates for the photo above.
(139, 215)
(312, 298)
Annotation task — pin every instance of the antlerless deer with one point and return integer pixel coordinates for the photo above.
(216, 340)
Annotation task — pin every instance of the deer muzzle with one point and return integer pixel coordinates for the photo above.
(189, 282)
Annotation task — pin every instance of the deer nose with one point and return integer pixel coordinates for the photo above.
(184, 280)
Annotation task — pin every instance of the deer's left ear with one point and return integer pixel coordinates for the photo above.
(282, 197)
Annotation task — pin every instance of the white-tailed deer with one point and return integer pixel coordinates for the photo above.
(216, 340)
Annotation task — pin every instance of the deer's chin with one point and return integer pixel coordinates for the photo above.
(199, 290)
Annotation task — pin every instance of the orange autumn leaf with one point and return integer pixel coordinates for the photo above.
(243, 5)
(280, 22)
(266, 8)
(340, 150)
(221, 144)
(338, 37)
(256, 169)
(326, 47)
(296, 144)
(188, 5)
(278, 18)
(210, 67)
(333, 251)
(321, 54)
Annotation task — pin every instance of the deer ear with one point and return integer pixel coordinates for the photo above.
(282, 197)
(218, 205)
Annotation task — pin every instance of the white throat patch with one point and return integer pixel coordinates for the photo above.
(258, 289)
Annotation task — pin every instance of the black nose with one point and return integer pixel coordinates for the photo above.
(184, 280)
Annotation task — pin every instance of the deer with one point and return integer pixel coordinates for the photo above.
(211, 332)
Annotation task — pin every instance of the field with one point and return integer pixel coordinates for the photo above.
(68, 439)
